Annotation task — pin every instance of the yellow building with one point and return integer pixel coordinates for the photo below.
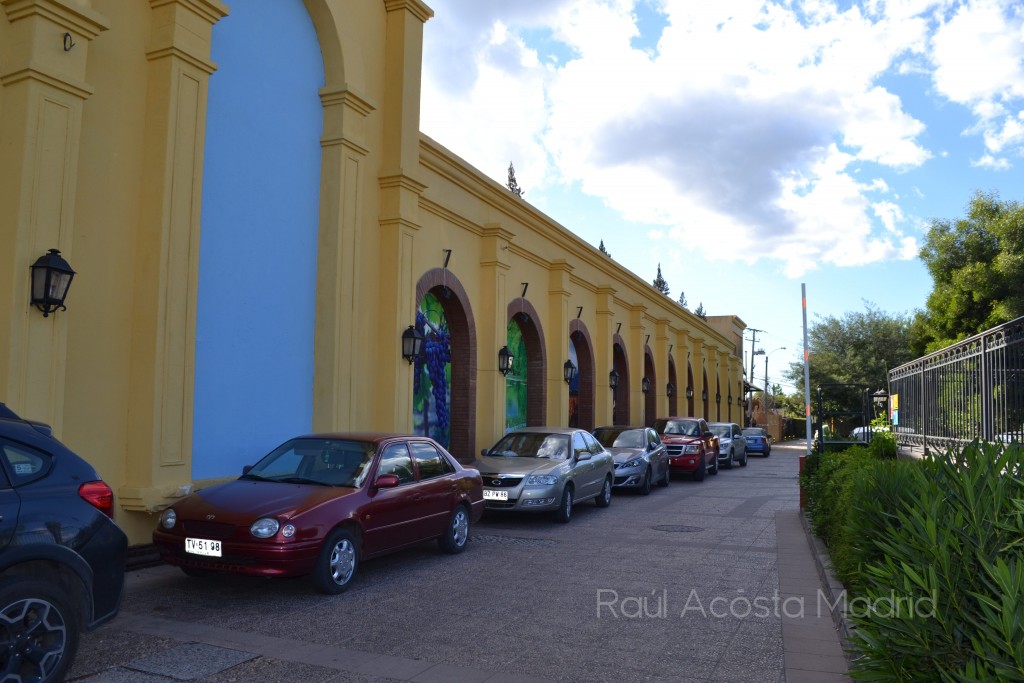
(254, 219)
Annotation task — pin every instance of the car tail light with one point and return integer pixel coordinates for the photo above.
(99, 495)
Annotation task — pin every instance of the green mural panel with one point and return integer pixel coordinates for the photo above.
(515, 381)
(432, 378)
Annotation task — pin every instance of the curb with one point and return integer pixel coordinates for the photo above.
(833, 589)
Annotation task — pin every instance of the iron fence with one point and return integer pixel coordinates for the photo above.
(973, 390)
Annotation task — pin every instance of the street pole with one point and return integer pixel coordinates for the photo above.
(807, 367)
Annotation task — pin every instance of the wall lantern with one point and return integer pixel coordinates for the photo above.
(505, 359)
(645, 385)
(718, 397)
(613, 380)
(670, 390)
(51, 278)
(568, 372)
(689, 392)
(704, 395)
(412, 340)
(729, 400)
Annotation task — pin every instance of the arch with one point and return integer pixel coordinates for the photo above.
(690, 389)
(325, 24)
(620, 397)
(462, 327)
(673, 400)
(579, 337)
(651, 397)
(704, 395)
(525, 315)
(718, 398)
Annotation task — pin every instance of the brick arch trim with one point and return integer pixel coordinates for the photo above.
(620, 415)
(536, 362)
(587, 372)
(651, 397)
(462, 325)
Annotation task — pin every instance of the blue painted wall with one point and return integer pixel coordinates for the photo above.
(257, 259)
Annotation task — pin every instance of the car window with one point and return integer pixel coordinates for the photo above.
(681, 427)
(753, 431)
(720, 430)
(631, 438)
(652, 439)
(579, 446)
(395, 460)
(592, 443)
(24, 464)
(532, 445)
(429, 461)
(331, 462)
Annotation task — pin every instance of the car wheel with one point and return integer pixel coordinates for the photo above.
(604, 499)
(455, 539)
(714, 465)
(768, 453)
(196, 572)
(665, 477)
(645, 485)
(336, 566)
(728, 463)
(743, 462)
(564, 512)
(40, 631)
(702, 469)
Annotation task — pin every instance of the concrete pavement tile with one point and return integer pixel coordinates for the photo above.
(269, 669)
(190, 662)
(814, 662)
(111, 646)
(813, 646)
(798, 676)
(122, 675)
(394, 667)
(443, 673)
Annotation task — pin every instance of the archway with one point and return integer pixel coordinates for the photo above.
(448, 357)
(689, 388)
(620, 395)
(718, 398)
(581, 347)
(673, 398)
(651, 397)
(525, 388)
(704, 396)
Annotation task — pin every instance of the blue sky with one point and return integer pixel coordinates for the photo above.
(747, 146)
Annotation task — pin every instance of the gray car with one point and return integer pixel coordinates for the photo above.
(732, 445)
(640, 457)
(538, 469)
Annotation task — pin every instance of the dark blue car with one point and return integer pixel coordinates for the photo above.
(758, 441)
(62, 557)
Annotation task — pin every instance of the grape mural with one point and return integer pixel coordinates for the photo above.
(432, 373)
(515, 381)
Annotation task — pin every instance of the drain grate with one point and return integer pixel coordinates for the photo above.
(677, 528)
(511, 540)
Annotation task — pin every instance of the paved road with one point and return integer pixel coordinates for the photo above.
(673, 586)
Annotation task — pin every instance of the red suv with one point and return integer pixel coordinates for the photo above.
(692, 448)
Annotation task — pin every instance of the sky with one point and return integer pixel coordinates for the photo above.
(747, 146)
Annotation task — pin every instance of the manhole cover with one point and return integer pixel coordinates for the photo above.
(677, 528)
(510, 540)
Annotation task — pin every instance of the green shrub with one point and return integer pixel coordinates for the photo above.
(948, 551)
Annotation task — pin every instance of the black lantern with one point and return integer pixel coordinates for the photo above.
(505, 359)
(613, 380)
(689, 392)
(729, 400)
(704, 395)
(718, 397)
(568, 372)
(412, 340)
(645, 385)
(51, 278)
(670, 389)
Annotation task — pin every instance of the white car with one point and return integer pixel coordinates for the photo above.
(732, 445)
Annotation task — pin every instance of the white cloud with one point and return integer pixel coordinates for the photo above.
(992, 163)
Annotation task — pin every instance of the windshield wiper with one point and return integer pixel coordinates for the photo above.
(253, 477)
(299, 480)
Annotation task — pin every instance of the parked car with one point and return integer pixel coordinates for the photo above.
(692, 447)
(62, 557)
(320, 505)
(758, 441)
(539, 469)
(732, 445)
(640, 457)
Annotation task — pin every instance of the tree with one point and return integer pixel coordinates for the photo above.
(604, 251)
(977, 267)
(682, 300)
(659, 283)
(858, 348)
(513, 186)
(700, 312)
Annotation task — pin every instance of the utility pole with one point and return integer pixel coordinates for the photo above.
(753, 346)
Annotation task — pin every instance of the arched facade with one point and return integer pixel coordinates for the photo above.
(673, 399)
(383, 216)
(651, 396)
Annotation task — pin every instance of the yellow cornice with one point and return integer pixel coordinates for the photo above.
(74, 17)
(417, 8)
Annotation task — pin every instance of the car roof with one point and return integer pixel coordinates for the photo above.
(623, 427)
(682, 417)
(369, 437)
(547, 430)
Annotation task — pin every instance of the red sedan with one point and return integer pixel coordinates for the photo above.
(320, 504)
(692, 448)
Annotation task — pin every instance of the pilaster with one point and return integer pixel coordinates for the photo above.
(604, 328)
(495, 263)
(559, 293)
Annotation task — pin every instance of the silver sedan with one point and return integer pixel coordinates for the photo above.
(640, 457)
(539, 469)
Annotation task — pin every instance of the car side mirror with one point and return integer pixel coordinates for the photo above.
(484, 451)
(386, 481)
(585, 455)
(245, 469)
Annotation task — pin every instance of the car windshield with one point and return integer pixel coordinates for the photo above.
(753, 432)
(720, 430)
(684, 427)
(325, 462)
(532, 445)
(620, 438)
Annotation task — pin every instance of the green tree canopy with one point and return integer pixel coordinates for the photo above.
(977, 266)
(659, 283)
(858, 348)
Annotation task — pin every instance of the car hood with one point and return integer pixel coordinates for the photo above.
(625, 454)
(490, 464)
(679, 438)
(246, 500)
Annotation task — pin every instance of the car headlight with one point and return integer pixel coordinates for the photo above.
(691, 449)
(635, 462)
(264, 528)
(541, 480)
(168, 518)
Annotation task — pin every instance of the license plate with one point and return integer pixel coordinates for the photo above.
(201, 546)
(495, 495)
